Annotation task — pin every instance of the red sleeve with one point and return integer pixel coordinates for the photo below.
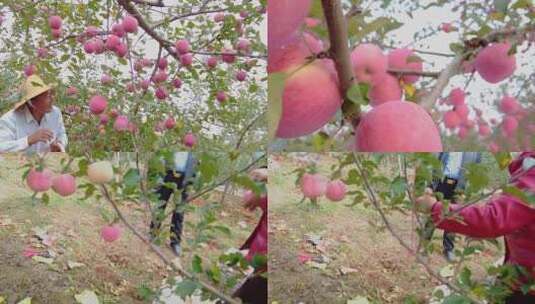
(499, 216)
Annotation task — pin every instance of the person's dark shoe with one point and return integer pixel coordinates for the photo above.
(449, 255)
(176, 249)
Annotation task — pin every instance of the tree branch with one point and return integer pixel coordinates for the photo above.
(453, 68)
(158, 3)
(339, 50)
(401, 72)
(167, 45)
(200, 12)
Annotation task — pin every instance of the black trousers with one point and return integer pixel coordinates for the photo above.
(164, 193)
(254, 290)
(520, 298)
(447, 188)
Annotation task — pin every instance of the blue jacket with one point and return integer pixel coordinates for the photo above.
(468, 157)
(185, 164)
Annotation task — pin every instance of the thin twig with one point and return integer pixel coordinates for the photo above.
(402, 72)
(157, 250)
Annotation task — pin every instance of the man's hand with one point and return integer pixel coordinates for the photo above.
(56, 147)
(425, 202)
(43, 135)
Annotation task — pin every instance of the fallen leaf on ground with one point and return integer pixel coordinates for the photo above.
(358, 300)
(72, 264)
(26, 301)
(447, 271)
(346, 270)
(320, 266)
(43, 260)
(87, 297)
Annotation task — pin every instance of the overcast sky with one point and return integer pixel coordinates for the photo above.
(483, 95)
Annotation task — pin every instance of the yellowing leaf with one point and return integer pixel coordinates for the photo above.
(43, 260)
(410, 90)
(26, 301)
(447, 271)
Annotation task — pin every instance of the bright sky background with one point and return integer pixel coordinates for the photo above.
(483, 95)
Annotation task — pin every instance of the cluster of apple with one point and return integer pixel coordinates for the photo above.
(316, 185)
(64, 184)
(311, 95)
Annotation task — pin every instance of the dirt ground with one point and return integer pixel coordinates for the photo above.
(116, 272)
(353, 258)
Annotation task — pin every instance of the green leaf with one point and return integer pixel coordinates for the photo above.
(353, 94)
(246, 182)
(82, 167)
(259, 261)
(456, 299)
(380, 25)
(45, 198)
(223, 229)
(196, 264)
(503, 159)
(524, 4)
(501, 5)
(477, 177)
(320, 141)
(214, 273)
(465, 277)
(185, 288)
(208, 167)
(276, 83)
(131, 181)
(457, 48)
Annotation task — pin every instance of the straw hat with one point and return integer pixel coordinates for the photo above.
(33, 86)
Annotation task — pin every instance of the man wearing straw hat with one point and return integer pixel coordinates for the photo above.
(34, 124)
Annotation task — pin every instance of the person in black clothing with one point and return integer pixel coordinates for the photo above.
(181, 173)
(453, 166)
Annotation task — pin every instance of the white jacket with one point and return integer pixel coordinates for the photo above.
(16, 126)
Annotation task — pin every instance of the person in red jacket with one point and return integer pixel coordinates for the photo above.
(254, 290)
(502, 215)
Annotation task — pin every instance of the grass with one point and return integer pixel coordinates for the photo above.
(114, 271)
(382, 270)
